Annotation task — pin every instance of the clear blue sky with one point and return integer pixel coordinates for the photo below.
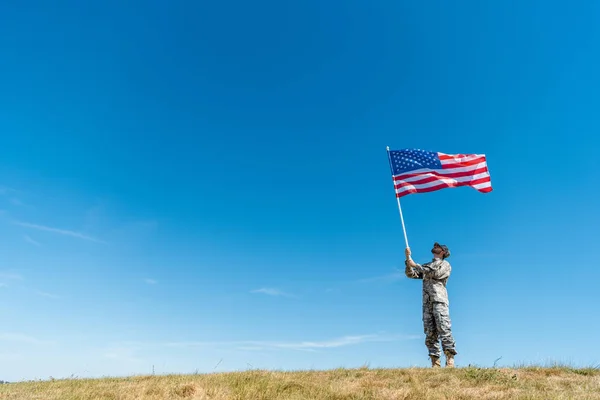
(205, 186)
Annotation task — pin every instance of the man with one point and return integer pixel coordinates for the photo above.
(436, 316)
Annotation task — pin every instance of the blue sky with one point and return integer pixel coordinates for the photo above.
(205, 186)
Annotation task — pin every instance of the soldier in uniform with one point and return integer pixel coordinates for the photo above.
(436, 316)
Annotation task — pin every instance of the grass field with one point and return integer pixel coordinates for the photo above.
(340, 384)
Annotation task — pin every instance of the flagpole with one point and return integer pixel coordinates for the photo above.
(397, 198)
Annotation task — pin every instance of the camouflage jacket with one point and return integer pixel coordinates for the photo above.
(435, 275)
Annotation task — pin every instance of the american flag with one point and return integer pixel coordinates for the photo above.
(418, 171)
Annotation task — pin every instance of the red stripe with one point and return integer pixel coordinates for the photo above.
(480, 180)
(449, 185)
(432, 179)
(475, 161)
(447, 166)
(451, 175)
(443, 156)
(428, 180)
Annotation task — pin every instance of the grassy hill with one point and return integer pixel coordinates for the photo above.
(340, 384)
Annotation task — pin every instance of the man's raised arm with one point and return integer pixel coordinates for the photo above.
(412, 270)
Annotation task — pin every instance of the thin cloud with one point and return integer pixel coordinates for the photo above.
(17, 337)
(126, 354)
(389, 278)
(344, 341)
(11, 276)
(30, 240)
(150, 281)
(250, 348)
(339, 342)
(48, 295)
(3, 284)
(5, 190)
(11, 356)
(10, 193)
(59, 231)
(272, 292)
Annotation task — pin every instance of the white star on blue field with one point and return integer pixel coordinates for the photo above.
(205, 186)
(412, 159)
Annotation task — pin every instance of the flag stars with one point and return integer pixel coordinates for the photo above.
(413, 159)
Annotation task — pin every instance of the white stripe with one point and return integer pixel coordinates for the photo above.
(452, 180)
(446, 162)
(442, 171)
(461, 159)
(443, 180)
(457, 179)
(483, 185)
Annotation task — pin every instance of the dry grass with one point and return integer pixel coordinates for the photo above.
(341, 384)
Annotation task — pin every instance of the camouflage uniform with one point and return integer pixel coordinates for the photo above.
(436, 316)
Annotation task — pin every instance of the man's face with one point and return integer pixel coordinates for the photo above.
(437, 251)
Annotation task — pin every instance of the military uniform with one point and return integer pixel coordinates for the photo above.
(436, 316)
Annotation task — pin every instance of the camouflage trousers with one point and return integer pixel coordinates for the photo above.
(436, 321)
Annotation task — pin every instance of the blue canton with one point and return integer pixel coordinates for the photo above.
(410, 159)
